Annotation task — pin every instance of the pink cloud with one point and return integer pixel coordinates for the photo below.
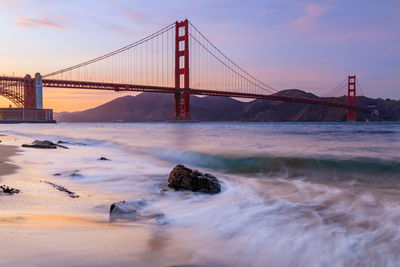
(26, 22)
(133, 15)
(307, 21)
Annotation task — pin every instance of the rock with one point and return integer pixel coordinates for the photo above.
(69, 143)
(186, 179)
(104, 158)
(75, 173)
(8, 190)
(124, 207)
(44, 144)
(134, 211)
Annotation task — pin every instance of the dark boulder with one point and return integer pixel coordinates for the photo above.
(46, 144)
(104, 158)
(186, 179)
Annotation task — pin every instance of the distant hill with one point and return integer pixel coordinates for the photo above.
(154, 107)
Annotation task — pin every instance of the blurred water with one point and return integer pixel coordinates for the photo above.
(294, 194)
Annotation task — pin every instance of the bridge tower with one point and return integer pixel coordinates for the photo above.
(351, 97)
(182, 98)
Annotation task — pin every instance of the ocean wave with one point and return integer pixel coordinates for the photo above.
(68, 140)
(336, 132)
(267, 164)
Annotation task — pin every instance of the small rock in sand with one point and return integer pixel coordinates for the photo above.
(75, 173)
(8, 190)
(104, 158)
(187, 179)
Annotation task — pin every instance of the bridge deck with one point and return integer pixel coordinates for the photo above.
(172, 90)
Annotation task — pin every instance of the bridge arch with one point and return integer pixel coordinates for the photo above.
(15, 96)
(13, 92)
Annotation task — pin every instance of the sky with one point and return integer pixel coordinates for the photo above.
(309, 45)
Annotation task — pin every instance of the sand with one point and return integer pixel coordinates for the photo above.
(6, 166)
(42, 226)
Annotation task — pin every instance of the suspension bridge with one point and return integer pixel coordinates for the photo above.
(178, 60)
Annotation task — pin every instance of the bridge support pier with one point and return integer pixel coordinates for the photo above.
(33, 91)
(351, 98)
(182, 97)
(182, 106)
(39, 91)
(29, 92)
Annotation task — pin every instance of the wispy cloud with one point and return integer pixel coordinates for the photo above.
(132, 14)
(307, 21)
(26, 22)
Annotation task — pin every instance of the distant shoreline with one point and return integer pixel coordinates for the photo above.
(24, 121)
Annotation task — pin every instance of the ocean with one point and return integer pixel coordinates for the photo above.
(293, 194)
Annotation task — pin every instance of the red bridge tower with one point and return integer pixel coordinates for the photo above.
(351, 98)
(182, 98)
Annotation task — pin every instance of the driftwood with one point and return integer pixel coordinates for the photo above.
(63, 189)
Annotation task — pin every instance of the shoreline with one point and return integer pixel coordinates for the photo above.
(6, 152)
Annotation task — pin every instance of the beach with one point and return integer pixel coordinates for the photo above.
(43, 227)
(292, 195)
(6, 167)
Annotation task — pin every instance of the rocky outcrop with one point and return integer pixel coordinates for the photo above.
(182, 178)
(134, 211)
(46, 144)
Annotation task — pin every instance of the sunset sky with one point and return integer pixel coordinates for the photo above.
(310, 45)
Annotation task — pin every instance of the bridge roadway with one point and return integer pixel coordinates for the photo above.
(172, 90)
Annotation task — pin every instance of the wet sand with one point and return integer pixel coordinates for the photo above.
(7, 151)
(45, 227)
